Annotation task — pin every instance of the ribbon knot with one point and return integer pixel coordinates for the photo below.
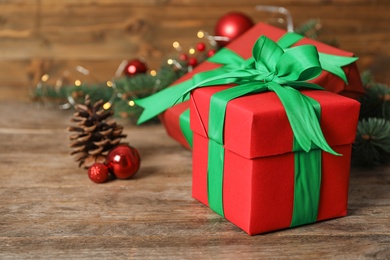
(270, 77)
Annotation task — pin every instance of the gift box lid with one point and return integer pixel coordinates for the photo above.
(257, 125)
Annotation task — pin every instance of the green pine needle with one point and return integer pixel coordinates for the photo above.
(376, 101)
(372, 144)
(310, 28)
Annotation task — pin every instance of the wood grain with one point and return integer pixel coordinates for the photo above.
(99, 34)
(49, 209)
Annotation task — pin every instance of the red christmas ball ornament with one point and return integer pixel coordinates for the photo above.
(183, 57)
(193, 62)
(201, 46)
(98, 173)
(123, 161)
(211, 53)
(134, 67)
(232, 25)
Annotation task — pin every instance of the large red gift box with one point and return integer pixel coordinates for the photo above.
(242, 46)
(258, 176)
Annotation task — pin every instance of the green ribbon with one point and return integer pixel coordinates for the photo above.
(271, 68)
(307, 186)
(184, 122)
(230, 61)
(307, 182)
(327, 62)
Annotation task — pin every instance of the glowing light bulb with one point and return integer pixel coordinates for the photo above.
(109, 83)
(77, 83)
(131, 103)
(107, 105)
(45, 77)
(176, 45)
(191, 51)
(200, 34)
(153, 73)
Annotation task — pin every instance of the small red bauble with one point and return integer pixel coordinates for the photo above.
(123, 161)
(201, 46)
(183, 57)
(232, 25)
(211, 53)
(98, 173)
(193, 62)
(134, 67)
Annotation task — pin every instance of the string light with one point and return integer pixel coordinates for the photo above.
(177, 46)
(71, 102)
(45, 77)
(77, 83)
(109, 83)
(107, 105)
(120, 68)
(82, 70)
(212, 39)
(153, 73)
(131, 103)
(175, 63)
(191, 51)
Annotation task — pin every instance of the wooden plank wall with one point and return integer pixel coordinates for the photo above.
(46, 36)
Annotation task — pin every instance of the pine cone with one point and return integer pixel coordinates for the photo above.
(95, 135)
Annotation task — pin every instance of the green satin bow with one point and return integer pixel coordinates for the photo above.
(270, 68)
(159, 102)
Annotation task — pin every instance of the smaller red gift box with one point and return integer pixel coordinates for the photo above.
(242, 46)
(258, 177)
(173, 125)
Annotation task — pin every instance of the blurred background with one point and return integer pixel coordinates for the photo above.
(40, 37)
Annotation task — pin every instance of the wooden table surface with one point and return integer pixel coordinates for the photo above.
(50, 209)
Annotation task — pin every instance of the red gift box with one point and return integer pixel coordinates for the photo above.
(242, 46)
(258, 177)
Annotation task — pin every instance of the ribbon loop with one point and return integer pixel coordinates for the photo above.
(299, 64)
(266, 54)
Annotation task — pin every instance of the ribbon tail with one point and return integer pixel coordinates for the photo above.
(161, 101)
(334, 64)
(302, 118)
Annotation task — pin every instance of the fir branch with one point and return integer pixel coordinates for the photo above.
(120, 94)
(372, 143)
(376, 101)
(310, 28)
